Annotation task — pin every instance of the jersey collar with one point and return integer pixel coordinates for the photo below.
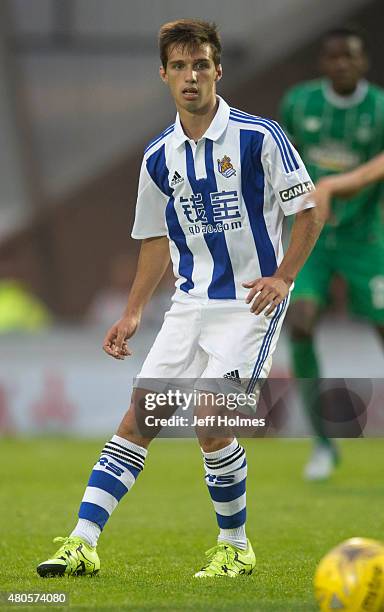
(216, 129)
(345, 101)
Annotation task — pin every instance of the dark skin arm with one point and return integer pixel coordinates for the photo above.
(347, 184)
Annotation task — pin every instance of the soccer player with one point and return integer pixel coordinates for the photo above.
(337, 123)
(213, 190)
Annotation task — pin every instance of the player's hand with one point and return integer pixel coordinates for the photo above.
(266, 293)
(115, 342)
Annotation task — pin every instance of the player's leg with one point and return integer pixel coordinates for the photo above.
(225, 467)
(114, 474)
(225, 463)
(120, 463)
(225, 475)
(246, 349)
(309, 297)
(366, 281)
(123, 457)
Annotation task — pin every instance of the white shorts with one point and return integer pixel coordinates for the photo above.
(214, 339)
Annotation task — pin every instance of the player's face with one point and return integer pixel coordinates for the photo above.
(344, 62)
(192, 76)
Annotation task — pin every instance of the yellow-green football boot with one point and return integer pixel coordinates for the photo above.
(74, 558)
(226, 560)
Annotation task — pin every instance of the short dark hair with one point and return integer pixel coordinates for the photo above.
(346, 32)
(190, 34)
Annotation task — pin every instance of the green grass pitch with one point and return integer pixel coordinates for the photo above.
(157, 536)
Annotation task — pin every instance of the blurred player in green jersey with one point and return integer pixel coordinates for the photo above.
(347, 184)
(337, 123)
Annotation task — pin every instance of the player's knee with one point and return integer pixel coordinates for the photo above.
(129, 430)
(210, 445)
(133, 437)
(301, 330)
(302, 318)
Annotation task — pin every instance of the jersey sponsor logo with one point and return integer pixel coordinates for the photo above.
(214, 229)
(296, 191)
(225, 167)
(334, 156)
(234, 376)
(225, 212)
(177, 178)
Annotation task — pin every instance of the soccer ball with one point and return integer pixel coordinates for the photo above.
(351, 577)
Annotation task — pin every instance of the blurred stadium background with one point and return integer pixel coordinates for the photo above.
(79, 98)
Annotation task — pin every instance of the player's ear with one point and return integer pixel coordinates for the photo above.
(163, 74)
(219, 72)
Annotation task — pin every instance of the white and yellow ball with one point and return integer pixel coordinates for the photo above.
(350, 578)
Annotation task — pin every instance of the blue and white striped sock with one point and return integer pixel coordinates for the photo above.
(112, 477)
(226, 472)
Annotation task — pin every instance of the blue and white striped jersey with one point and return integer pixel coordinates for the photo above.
(221, 202)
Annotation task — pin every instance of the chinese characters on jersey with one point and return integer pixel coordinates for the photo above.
(223, 213)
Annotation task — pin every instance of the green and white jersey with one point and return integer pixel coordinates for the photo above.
(335, 134)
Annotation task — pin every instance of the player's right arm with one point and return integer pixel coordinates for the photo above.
(150, 228)
(153, 261)
(347, 184)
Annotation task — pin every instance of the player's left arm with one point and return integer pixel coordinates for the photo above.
(290, 184)
(270, 291)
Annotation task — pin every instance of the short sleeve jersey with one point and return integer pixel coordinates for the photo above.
(221, 201)
(336, 134)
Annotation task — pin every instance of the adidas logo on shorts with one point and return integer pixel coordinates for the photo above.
(233, 376)
(177, 178)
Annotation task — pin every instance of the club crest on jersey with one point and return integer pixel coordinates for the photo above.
(225, 167)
